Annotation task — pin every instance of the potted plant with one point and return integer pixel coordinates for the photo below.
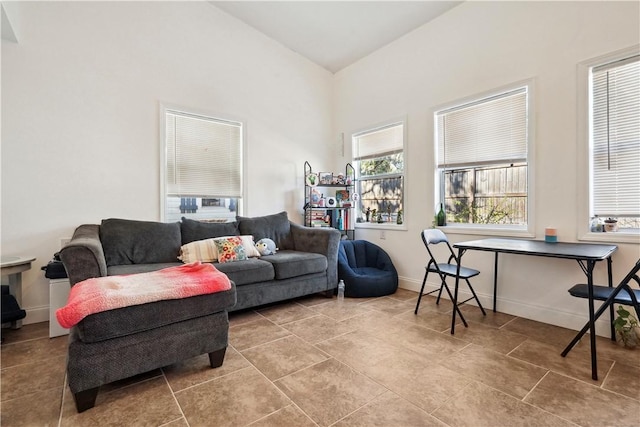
(627, 328)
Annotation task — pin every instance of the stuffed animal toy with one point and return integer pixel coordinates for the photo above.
(266, 246)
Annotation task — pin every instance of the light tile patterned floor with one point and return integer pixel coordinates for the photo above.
(367, 362)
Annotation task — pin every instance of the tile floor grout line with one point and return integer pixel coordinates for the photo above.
(591, 384)
(299, 370)
(175, 399)
(540, 408)
(64, 392)
(335, 336)
(455, 395)
(291, 334)
(213, 379)
(509, 321)
(278, 388)
(516, 347)
(305, 318)
(601, 386)
(535, 385)
(607, 375)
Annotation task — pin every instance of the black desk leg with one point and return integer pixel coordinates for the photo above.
(591, 325)
(592, 322)
(495, 281)
(610, 277)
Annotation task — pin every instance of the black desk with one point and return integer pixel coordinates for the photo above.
(587, 255)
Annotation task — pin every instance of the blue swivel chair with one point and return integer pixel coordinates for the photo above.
(366, 269)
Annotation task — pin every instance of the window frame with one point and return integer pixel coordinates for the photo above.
(504, 230)
(584, 146)
(166, 107)
(385, 124)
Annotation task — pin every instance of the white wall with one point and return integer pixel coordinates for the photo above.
(80, 96)
(474, 48)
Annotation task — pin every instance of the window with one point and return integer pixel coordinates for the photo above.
(482, 160)
(202, 166)
(614, 135)
(379, 164)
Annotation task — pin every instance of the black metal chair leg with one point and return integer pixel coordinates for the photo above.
(476, 297)
(424, 281)
(464, 321)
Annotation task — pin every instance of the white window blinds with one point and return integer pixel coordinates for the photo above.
(381, 142)
(204, 156)
(615, 137)
(488, 131)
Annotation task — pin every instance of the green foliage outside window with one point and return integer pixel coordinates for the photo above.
(381, 185)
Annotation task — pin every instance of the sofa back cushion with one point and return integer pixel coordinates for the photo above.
(197, 230)
(275, 227)
(139, 242)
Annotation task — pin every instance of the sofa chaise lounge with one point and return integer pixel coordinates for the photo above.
(116, 344)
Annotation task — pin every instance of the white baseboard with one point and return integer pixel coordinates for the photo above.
(36, 315)
(553, 316)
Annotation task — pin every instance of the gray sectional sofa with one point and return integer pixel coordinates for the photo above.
(119, 343)
(305, 263)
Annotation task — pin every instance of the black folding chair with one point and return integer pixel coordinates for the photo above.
(444, 270)
(621, 294)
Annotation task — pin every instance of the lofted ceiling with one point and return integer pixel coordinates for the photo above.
(335, 34)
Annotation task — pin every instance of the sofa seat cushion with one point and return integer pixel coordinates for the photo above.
(252, 270)
(144, 317)
(288, 264)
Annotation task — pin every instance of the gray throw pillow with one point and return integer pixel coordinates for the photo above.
(193, 230)
(275, 227)
(139, 242)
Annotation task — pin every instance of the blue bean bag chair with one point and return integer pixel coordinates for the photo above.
(366, 269)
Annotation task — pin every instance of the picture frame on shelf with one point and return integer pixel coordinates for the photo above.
(315, 197)
(342, 196)
(326, 178)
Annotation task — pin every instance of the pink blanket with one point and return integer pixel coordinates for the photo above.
(107, 293)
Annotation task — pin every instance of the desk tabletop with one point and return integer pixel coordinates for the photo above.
(12, 261)
(580, 251)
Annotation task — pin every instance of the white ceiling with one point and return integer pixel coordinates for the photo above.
(335, 34)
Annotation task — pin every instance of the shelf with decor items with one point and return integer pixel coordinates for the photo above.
(329, 199)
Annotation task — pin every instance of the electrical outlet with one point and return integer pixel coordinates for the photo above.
(383, 234)
(64, 241)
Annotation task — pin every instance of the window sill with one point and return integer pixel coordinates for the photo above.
(381, 226)
(505, 231)
(613, 237)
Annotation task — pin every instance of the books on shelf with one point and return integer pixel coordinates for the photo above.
(328, 218)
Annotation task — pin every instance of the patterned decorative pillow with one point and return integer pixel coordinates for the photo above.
(230, 249)
(207, 251)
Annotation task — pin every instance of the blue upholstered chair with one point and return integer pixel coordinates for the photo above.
(366, 269)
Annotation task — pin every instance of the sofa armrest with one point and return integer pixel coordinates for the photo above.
(325, 241)
(83, 257)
